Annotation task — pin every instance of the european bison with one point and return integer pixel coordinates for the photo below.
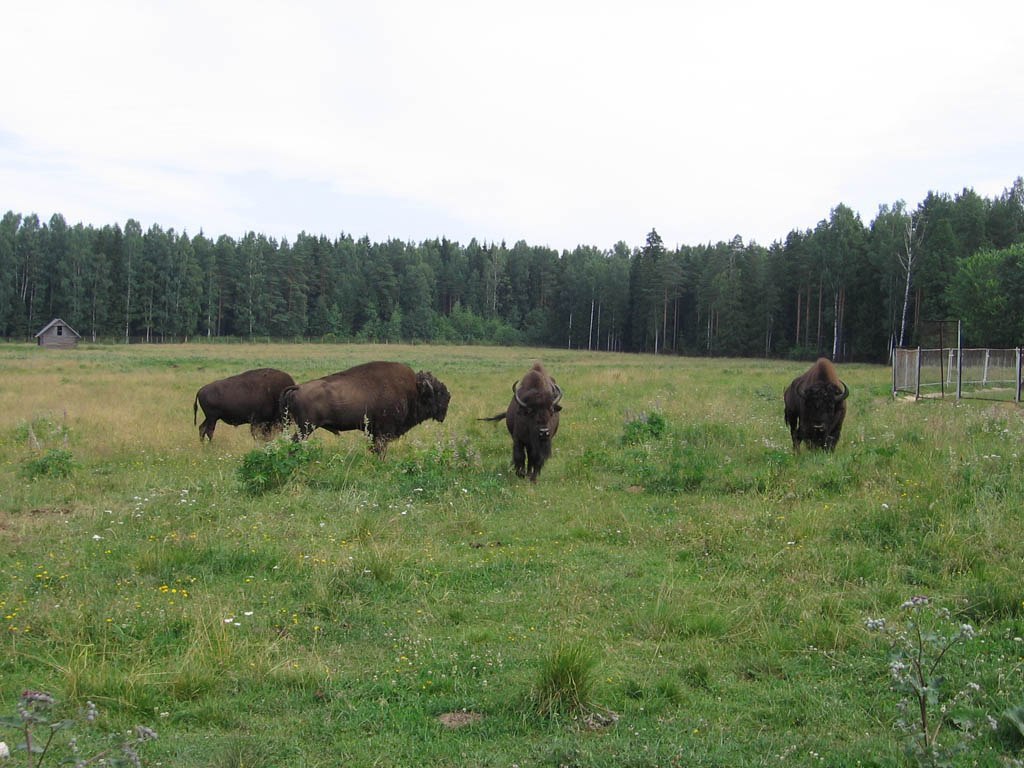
(816, 406)
(384, 399)
(532, 420)
(250, 398)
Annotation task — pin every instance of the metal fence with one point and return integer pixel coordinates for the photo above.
(980, 373)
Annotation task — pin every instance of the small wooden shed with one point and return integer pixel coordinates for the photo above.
(57, 334)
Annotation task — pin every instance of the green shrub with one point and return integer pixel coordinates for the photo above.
(268, 468)
(443, 465)
(56, 462)
(644, 428)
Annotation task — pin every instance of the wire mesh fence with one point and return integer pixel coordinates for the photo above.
(979, 373)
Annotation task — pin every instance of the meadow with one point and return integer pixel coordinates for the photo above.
(678, 588)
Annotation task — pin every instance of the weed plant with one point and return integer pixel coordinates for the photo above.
(644, 428)
(55, 462)
(268, 468)
(45, 461)
(38, 729)
(326, 607)
(936, 708)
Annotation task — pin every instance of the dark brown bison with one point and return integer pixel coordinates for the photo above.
(250, 398)
(384, 399)
(816, 406)
(532, 420)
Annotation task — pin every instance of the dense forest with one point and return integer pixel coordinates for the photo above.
(843, 289)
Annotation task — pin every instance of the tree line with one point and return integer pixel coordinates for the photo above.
(842, 289)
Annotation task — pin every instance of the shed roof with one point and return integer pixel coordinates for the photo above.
(57, 321)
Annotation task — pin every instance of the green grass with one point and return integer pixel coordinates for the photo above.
(676, 570)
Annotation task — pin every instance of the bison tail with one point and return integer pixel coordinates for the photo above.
(284, 403)
(496, 417)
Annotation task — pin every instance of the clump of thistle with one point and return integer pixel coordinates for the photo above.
(923, 641)
(38, 735)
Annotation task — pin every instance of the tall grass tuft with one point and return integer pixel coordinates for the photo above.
(565, 685)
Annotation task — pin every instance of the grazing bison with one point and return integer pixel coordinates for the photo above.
(532, 420)
(816, 406)
(250, 398)
(384, 399)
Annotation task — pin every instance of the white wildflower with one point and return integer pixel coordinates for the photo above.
(5, 752)
(897, 669)
(917, 601)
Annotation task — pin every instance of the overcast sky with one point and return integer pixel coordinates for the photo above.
(558, 123)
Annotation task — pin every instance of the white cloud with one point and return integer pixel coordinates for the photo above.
(559, 123)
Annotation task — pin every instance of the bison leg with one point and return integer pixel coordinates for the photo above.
(519, 459)
(380, 446)
(206, 429)
(536, 457)
(793, 422)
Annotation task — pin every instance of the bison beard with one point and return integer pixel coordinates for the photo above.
(383, 399)
(250, 398)
(532, 420)
(815, 407)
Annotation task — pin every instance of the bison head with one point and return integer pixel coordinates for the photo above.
(540, 407)
(433, 396)
(822, 409)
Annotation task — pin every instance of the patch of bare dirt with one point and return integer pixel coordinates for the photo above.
(59, 511)
(459, 719)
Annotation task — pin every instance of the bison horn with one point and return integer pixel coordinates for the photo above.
(558, 393)
(515, 393)
(846, 393)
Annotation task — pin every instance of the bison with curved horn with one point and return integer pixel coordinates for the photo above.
(532, 420)
(816, 406)
(250, 398)
(383, 399)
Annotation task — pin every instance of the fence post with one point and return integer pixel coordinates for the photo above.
(1017, 399)
(917, 390)
(947, 377)
(959, 360)
(893, 354)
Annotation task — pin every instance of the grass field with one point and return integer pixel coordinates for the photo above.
(678, 589)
